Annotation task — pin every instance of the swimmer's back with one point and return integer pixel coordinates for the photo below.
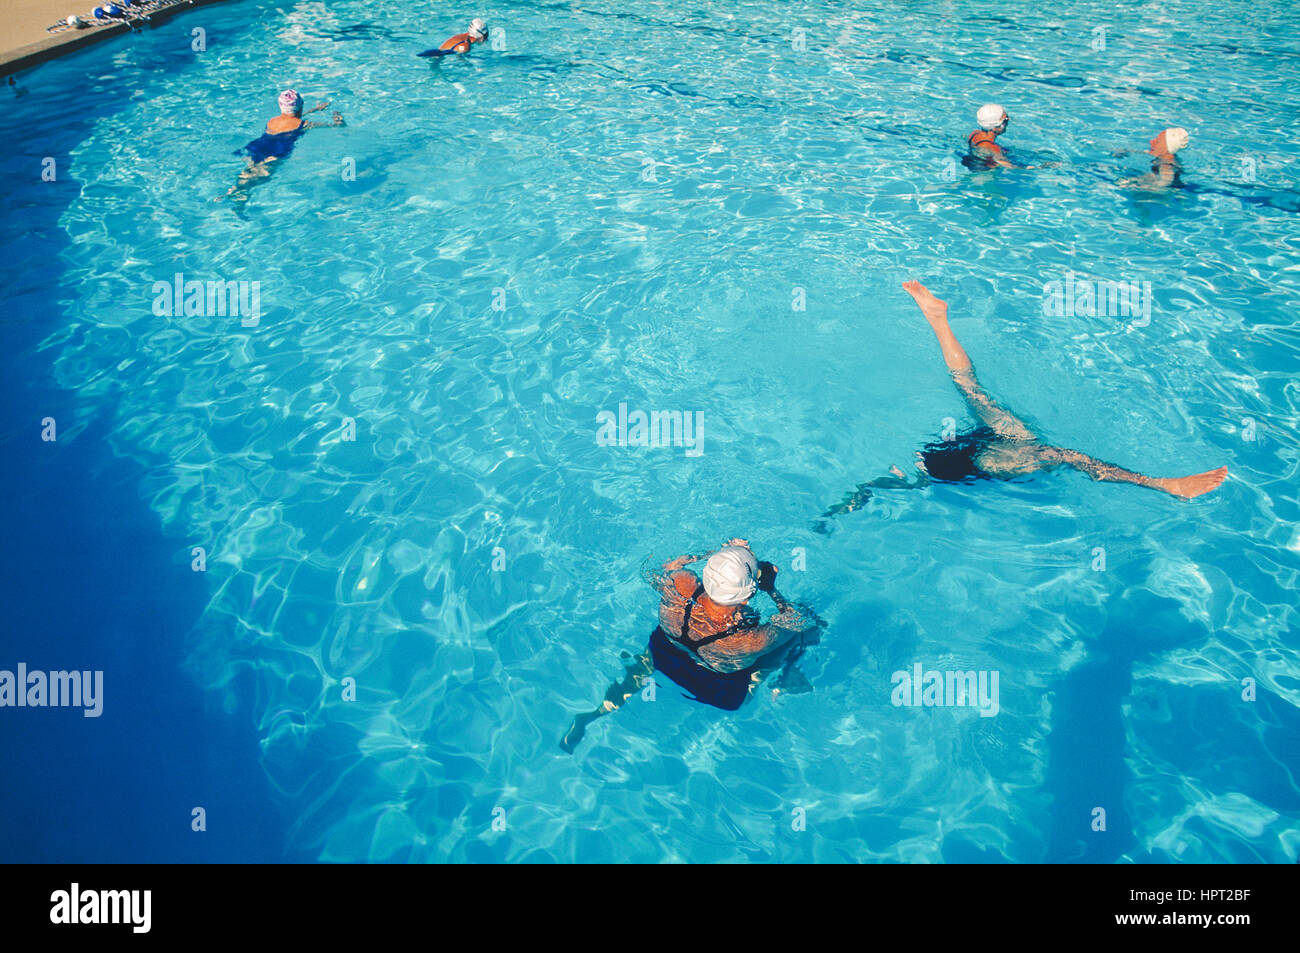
(283, 123)
(721, 646)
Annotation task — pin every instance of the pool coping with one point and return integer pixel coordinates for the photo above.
(58, 44)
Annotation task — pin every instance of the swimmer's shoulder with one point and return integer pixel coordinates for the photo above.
(685, 582)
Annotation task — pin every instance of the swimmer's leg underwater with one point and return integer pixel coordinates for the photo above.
(637, 674)
(256, 173)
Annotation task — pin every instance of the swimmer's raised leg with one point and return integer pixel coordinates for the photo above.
(638, 673)
(1002, 421)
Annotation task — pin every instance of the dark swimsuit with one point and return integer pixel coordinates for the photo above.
(676, 656)
(271, 145)
(1177, 181)
(953, 461)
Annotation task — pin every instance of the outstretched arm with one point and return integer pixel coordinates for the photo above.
(959, 366)
(859, 497)
(685, 560)
(1182, 487)
(338, 121)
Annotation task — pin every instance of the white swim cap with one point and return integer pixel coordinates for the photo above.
(1176, 138)
(477, 28)
(991, 116)
(731, 576)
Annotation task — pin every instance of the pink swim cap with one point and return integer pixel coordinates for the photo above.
(290, 101)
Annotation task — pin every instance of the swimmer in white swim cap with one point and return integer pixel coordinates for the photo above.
(461, 42)
(1166, 170)
(1170, 141)
(709, 640)
(984, 150)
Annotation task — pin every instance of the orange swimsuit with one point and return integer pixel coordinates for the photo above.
(729, 644)
(983, 144)
(456, 42)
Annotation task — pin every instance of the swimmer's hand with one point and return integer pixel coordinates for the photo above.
(319, 106)
(767, 577)
(338, 120)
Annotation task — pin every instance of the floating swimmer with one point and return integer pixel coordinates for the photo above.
(985, 153)
(709, 640)
(1002, 447)
(1166, 172)
(275, 143)
(461, 42)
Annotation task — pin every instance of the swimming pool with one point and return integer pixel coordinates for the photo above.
(395, 478)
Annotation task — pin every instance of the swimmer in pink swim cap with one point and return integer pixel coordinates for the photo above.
(275, 143)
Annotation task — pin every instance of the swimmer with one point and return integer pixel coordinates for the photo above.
(709, 640)
(1002, 447)
(461, 42)
(985, 153)
(1166, 172)
(275, 143)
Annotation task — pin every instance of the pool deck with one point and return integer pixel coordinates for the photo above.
(24, 42)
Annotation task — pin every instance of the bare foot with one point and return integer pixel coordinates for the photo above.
(935, 311)
(1190, 486)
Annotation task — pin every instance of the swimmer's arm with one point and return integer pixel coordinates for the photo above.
(674, 585)
(999, 157)
(338, 121)
(745, 648)
(795, 619)
(789, 616)
(681, 561)
(319, 106)
(684, 560)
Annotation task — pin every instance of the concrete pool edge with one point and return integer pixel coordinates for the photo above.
(15, 59)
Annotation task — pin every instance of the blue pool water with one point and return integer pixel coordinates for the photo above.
(670, 206)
